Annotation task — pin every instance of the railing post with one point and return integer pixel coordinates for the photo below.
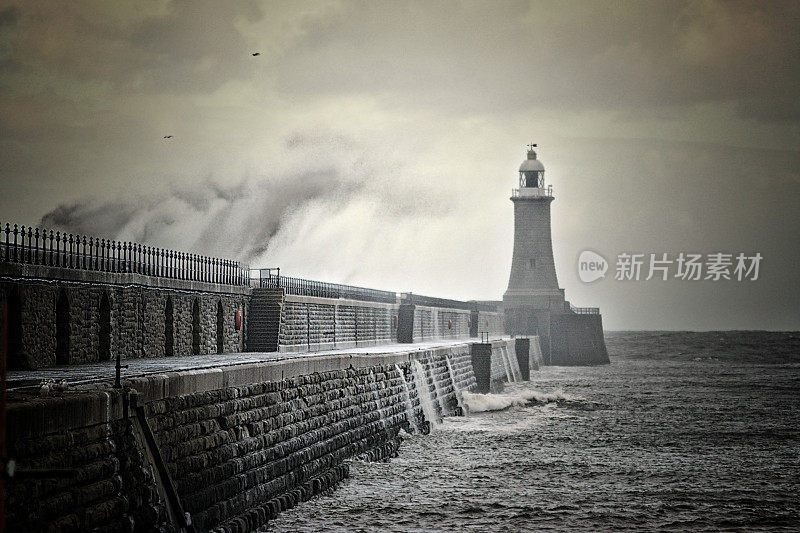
(50, 258)
(36, 249)
(83, 255)
(8, 250)
(30, 246)
(22, 244)
(15, 243)
(71, 258)
(58, 249)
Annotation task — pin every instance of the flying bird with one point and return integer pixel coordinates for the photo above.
(256, 54)
(168, 136)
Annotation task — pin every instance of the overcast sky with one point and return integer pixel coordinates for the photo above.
(376, 143)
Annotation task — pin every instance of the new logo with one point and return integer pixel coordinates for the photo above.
(591, 266)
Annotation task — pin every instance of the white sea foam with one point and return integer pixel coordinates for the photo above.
(478, 403)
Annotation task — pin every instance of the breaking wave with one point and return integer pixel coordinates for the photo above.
(479, 403)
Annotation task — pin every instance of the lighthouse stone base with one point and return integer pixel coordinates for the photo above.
(567, 338)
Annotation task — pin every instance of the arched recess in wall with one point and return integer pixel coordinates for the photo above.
(104, 340)
(196, 327)
(62, 328)
(220, 327)
(169, 328)
(16, 361)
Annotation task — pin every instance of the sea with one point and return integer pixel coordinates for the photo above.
(694, 431)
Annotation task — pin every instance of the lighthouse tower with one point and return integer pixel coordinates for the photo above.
(534, 304)
(533, 282)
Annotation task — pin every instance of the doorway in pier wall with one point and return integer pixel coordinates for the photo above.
(104, 332)
(220, 327)
(196, 327)
(62, 328)
(169, 328)
(15, 359)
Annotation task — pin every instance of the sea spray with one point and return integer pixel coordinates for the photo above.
(504, 359)
(453, 379)
(412, 420)
(440, 397)
(380, 409)
(536, 350)
(424, 392)
(478, 403)
(515, 372)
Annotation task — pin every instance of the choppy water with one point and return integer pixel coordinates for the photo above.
(681, 431)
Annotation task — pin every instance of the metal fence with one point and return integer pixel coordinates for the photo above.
(271, 278)
(431, 301)
(34, 246)
(584, 310)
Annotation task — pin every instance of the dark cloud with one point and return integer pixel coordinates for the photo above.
(8, 16)
(500, 56)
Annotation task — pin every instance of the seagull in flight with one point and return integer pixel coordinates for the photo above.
(256, 54)
(168, 136)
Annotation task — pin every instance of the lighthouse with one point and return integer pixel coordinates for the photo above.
(533, 282)
(533, 303)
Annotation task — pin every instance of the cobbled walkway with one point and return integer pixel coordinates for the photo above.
(105, 371)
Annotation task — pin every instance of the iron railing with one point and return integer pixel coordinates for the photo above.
(533, 192)
(34, 246)
(584, 310)
(271, 278)
(431, 301)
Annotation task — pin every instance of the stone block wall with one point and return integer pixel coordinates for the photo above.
(101, 479)
(137, 321)
(237, 456)
(491, 322)
(494, 363)
(504, 366)
(312, 323)
(424, 325)
(577, 339)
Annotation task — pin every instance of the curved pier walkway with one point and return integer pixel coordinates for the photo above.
(90, 373)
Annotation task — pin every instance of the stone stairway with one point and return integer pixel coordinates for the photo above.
(264, 322)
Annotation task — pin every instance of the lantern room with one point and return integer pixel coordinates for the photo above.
(531, 171)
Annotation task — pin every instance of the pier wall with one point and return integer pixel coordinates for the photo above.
(64, 316)
(313, 324)
(577, 340)
(494, 363)
(237, 444)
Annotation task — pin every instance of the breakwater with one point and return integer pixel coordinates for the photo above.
(222, 450)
